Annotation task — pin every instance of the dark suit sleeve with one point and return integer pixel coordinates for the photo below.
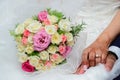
(114, 48)
(116, 42)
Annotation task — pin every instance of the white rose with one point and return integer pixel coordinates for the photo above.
(56, 38)
(28, 21)
(64, 24)
(52, 49)
(50, 29)
(22, 57)
(34, 60)
(44, 55)
(19, 29)
(58, 60)
(69, 36)
(18, 39)
(34, 27)
(70, 43)
(20, 47)
(53, 19)
(30, 38)
(39, 66)
(29, 49)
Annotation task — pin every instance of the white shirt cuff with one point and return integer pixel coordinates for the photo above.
(116, 50)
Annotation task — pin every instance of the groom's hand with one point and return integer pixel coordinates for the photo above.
(110, 61)
(94, 54)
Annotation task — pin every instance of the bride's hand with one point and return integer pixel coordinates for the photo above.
(92, 55)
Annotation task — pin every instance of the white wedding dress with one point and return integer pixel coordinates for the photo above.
(97, 14)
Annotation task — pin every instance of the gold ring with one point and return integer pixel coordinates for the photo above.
(97, 56)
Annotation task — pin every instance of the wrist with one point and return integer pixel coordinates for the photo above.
(104, 39)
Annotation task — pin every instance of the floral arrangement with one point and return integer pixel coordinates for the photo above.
(44, 41)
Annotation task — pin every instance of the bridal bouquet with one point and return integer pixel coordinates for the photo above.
(45, 40)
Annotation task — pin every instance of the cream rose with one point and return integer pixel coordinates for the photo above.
(19, 29)
(18, 39)
(34, 27)
(52, 49)
(70, 43)
(39, 66)
(50, 29)
(64, 24)
(28, 21)
(29, 49)
(56, 38)
(22, 57)
(34, 60)
(20, 47)
(58, 59)
(44, 55)
(30, 38)
(69, 36)
(53, 19)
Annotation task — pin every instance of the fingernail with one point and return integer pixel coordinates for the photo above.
(85, 67)
(81, 71)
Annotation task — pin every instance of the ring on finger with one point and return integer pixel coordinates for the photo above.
(97, 56)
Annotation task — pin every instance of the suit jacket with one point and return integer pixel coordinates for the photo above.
(116, 42)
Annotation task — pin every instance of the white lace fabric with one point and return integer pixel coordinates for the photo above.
(97, 14)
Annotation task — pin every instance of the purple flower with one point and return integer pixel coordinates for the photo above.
(41, 40)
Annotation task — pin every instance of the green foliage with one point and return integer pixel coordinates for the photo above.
(12, 33)
(63, 62)
(35, 17)
(55, 13)
(61, 31)
(35, 53)
(16, 25)
(76, 29)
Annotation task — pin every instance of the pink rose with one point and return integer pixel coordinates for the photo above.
(41, 40)
(42, 16)
(68, 50)
(46, 22)
(27, 67)
(26, 33)
(64, 38)
(54, 57)
(24, 40)
(62, 49)
(48, 64)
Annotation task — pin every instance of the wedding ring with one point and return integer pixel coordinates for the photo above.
(97, 56)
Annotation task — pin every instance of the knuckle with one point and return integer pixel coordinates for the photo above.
(91, 56)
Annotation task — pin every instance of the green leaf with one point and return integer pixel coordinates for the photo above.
(12, 33)
(35, 17)
(61, 31)
(35, 53)
(55, 13)
(64, 61)
(76, 29)
(16, 25)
